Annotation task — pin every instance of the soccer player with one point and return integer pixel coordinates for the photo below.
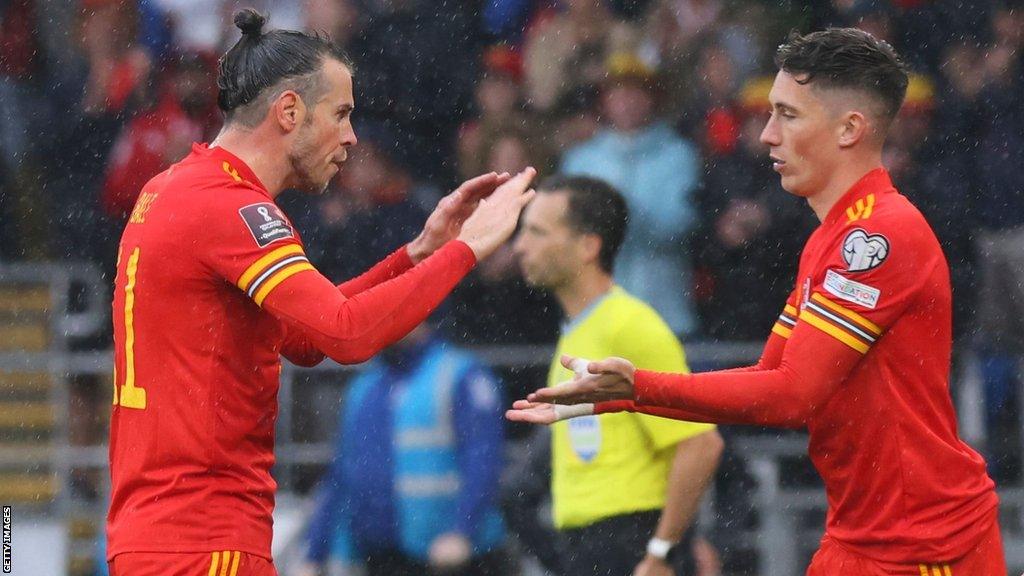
(213, 286)
(860, 354)
(625, 487)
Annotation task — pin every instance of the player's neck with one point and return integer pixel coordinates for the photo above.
(590, 285)
(268, 166)
(843, 178)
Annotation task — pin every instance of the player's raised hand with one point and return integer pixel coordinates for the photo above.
(495, 217)
(445, 222)
(608, 379)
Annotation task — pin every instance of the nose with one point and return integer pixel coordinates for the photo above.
(348, 137)
(770, 134)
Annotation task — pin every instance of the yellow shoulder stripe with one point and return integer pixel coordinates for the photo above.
(259, 265)
(834, 332)
(278, 277)
(782, 330)
(791, 310)
(849, 314)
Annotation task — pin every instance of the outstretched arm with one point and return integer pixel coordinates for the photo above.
(812, 366)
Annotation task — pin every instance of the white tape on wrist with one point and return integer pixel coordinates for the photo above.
(579, 366)
(565, 412)
(659, 548)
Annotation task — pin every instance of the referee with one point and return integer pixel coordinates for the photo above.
(625, 487)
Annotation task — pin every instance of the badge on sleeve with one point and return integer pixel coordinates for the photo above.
(863, 251)
(266, 222)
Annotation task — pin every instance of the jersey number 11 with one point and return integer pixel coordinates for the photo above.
(129, 395)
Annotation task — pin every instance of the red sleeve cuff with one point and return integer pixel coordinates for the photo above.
(613, 406)
(403, 261)
(462, 257)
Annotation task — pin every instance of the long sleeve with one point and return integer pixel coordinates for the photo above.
(812, 367)
(352, 330)
(300, 350)
(395, 264)
(771, 358)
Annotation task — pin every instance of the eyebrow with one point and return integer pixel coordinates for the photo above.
(346, 108)
(784, 106)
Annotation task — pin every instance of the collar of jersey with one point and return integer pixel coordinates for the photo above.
(876, 181)
(218, 153)
(572, 323)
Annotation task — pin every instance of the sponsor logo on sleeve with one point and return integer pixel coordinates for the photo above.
(863, 251)
(266, 222)
(842, 287)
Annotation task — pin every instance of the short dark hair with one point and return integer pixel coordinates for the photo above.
(847, 58)
(259, 61)
(595, 207)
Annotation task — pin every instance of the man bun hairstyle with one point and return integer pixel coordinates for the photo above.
(250, 22)
(594, 207)
(847, 58)
(263, 64)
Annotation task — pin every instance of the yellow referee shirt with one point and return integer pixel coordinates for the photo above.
(612, 464)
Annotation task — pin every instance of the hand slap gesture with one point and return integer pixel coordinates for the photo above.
(608, 379)
(445, 222)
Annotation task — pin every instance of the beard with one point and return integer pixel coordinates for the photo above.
(309, 177)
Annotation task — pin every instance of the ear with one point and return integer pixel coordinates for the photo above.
(854, 128)
(590, 247)
(288, 111)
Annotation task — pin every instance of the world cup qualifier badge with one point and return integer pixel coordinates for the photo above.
(863, 251)
(266, 222)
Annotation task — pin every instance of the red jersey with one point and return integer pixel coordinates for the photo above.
(861, 357)
(212, 287)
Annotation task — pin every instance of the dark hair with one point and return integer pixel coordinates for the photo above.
(847, 58)
(261, 60)
(595, 207)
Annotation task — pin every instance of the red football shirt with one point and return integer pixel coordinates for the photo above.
(861, 357)
(212, 287)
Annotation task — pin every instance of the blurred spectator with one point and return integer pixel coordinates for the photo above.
(751, 232)
(1001, 242)
(495, 305)
(179, 110)
(675, 25)
(501, 108)
(375, 206)
(118, 63)
(575, 118)
(21, 68)
(417, 62)
(412, 489)
(568, 48)
(710, 116)
(657, 171)
(340, 19)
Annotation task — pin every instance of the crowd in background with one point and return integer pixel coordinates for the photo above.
(664, 99)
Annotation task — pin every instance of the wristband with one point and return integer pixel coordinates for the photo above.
(659, 548)
(563, 412)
